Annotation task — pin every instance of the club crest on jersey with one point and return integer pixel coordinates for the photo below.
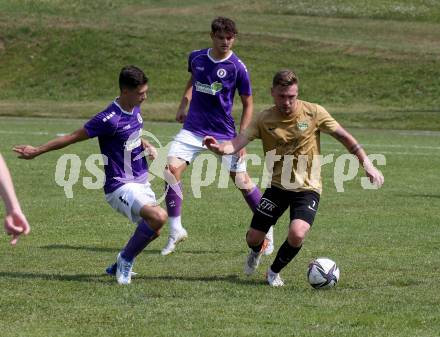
(221, 73)
(211, 89)
(139, 117)
(302, 125)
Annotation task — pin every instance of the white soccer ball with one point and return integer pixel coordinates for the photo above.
(323, 273)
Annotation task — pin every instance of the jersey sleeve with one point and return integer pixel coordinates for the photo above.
(190, 59)
(103, 124)
(253, 130)
(326, 122)
(243, 80)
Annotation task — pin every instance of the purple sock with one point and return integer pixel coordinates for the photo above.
(173, 199)
(253, 198)
(142, 236)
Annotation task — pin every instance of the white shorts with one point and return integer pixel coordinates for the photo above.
(186, 146)
(130, 198)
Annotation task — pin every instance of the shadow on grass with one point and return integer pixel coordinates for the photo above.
(58, 277)
(420, 195)
(92, 248)
(117, 250)
(436, 196)
(103, 278)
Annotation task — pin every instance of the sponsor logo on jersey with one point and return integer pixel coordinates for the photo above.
(128, 126)
(221, 73)
(110, 115)
(302, 125)
(210, 89)
(200, 68)
(139, 117)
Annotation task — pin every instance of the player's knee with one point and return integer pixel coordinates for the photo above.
(295, 240)
(254, 237)
(170, 174)
(161, 217)
(296, 237)
(157, 219)
(298, 230)
(174, 170)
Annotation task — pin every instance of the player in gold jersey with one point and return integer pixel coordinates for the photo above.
(290, 134)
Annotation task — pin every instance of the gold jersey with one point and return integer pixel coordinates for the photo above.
(292, 144)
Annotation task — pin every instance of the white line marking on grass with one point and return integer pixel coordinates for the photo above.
(395, 146)
(419, 133)
(24, 132)
(327, 151)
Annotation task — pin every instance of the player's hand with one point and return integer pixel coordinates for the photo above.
(181, 115)
(151, 151)
(375, 176)
(16, 224)
(212, 144)
(241, 154)
(26, 151)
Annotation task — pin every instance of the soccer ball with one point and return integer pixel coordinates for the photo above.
(323, 273)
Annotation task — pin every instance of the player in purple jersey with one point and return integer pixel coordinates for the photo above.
(119, 130)
(216, 74)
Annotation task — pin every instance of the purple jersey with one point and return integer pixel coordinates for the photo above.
(119, 135)
(213, 90)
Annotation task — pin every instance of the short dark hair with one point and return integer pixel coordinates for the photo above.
(130, 77)
(222, 24)
(285, 78)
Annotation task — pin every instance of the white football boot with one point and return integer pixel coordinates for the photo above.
(174, 239)
(270, 246)
(274, 279)
(123, 270)
(253, 260)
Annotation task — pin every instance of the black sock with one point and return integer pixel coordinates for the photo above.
(285, 254)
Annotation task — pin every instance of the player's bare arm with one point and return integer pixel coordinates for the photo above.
(15, 222)
(353, 146)
(246, 117)
(186, 98)
(30, 152)
(227, 147)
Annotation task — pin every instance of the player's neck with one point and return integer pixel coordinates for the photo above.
(219, 55)
(292, 112)
(126, 106)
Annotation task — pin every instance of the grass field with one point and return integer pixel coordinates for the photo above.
(373, 64)
(386, 243)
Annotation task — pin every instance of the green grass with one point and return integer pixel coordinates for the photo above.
(385, 243)
(376, 62)
(374, 65)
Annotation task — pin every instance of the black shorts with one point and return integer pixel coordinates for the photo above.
(273, 203)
